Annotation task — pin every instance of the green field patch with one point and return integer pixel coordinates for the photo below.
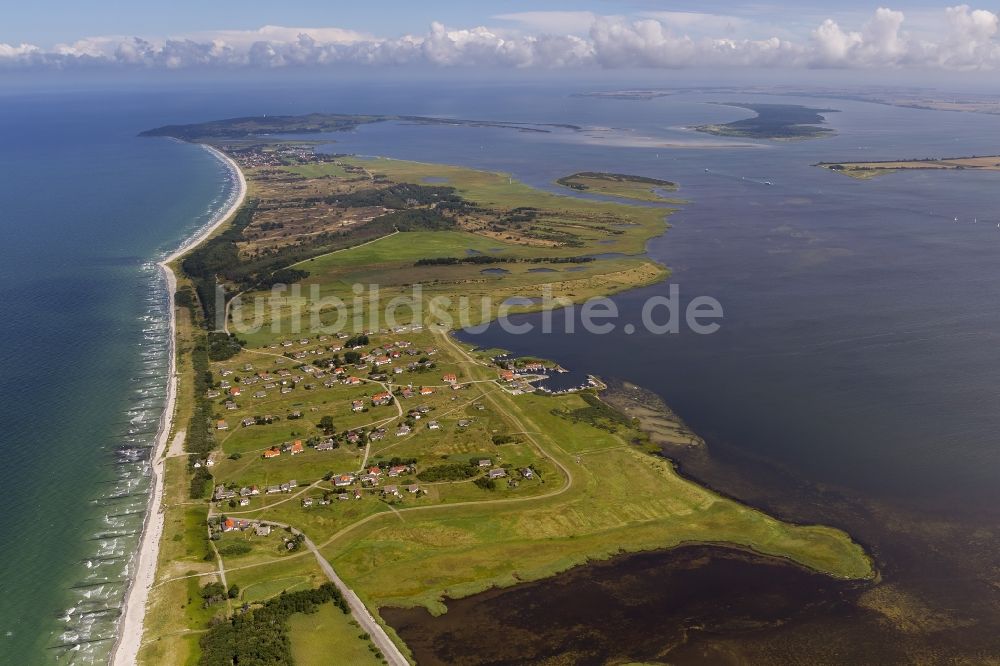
(563, 413)
(328, 636)
(269, 588)
(319, 170)
(637, 188)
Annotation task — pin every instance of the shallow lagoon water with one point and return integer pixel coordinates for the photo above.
(855, 376)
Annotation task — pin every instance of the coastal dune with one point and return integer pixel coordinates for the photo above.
(129, 634)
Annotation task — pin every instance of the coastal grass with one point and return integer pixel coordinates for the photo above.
(595, 494)
(264, 590)
(328, 636)
(621, 186)
(464, 294)
(869, 170)
(174, 616)
(528, 262)
(263, 579)
(319, 170)
(621, 500)
(587, 218)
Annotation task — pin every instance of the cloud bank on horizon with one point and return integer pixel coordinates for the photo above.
(962, 38)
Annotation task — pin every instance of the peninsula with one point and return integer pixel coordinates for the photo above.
(231, 129)
(867, 170)
(336, 471)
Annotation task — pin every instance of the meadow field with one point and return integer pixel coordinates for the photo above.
(463, 480)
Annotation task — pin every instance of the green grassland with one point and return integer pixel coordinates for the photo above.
(588, 220)
(389, 263)
(328, 636)
(619, 500)
(636, 188)
(319, 170)
(541, 243)
(594, 493)
(860, 173)
(175, 619)
(873, 169)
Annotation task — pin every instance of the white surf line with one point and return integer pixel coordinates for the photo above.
(128, 635)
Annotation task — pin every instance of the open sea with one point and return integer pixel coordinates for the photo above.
(855, 379)
(85, 208)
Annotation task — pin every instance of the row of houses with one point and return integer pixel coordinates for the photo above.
(242, 524)
(286, 487)
(267, 419)
(246, 492)
(393, 491)
(408, 391)
(387, 491)
(293, 448)
(372, 476)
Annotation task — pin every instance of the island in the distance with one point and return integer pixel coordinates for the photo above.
(867, 170)
(388, 465)
(774, 121)
(319, 123)
(625, 186)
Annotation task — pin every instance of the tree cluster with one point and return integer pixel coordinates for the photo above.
(258, 636)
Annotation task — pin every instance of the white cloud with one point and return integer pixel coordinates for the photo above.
(970, 40)
(11, 52)
(649, 43)
(880, 43)
(963, 38)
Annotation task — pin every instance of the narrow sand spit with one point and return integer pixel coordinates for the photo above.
(129, 632)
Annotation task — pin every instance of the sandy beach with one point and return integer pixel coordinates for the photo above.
(129, 632)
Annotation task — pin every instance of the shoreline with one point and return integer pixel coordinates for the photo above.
(130, 639)
(128, 633)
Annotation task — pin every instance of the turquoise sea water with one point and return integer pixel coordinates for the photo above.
(84, 208)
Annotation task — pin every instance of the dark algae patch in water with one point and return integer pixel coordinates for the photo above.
(931, 604)
(679, 606)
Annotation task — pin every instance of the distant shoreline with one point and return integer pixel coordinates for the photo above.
(128, 633)
(873, 168)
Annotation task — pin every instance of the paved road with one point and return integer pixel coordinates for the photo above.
(392, 654)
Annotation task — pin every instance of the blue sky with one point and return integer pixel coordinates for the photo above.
(48, 22)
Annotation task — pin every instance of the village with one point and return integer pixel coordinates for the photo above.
(382, 416)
